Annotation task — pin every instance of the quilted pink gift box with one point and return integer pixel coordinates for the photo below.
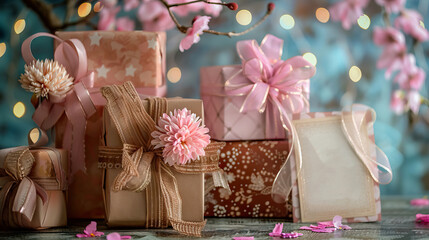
(222, 112)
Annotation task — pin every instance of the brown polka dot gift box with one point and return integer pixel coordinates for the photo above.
(251, 167)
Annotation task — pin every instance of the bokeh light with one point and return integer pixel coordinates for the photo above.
(310, 57)
(355, 73)
(287, 22)
(19, 26)
(174, 74)
(2, 49)
(34, 134)
(19, 109)
(364, 22)
(322, 14)
(98, 6)
(244, 17)
(84, 9)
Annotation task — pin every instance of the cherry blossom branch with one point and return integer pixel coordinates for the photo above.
(232, 6)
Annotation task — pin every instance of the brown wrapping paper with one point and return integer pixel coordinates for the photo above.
(251, 167)
(54, 212)
(125, 208)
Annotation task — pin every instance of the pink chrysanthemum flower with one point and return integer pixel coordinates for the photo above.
(182, 136)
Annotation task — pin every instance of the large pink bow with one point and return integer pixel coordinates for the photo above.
(270, 84)
(77, 103)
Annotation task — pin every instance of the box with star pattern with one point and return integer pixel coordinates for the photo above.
(114, 57)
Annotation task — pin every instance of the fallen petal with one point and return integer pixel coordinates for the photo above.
(419, 202)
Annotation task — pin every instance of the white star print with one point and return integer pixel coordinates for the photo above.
(129, 71)
(95, 39)
(102, 71)
(152, 43)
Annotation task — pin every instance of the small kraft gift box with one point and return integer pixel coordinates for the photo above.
(251, 167)
(33, 186)
(146, 182)
(89, 60)
(249, 101)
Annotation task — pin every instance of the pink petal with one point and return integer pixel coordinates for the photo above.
(125, 24)
(306, 228)
(82, 235)
(91, 228)
(277, 230)
(324, 230)
(113, 236)
(336, 221)
(424, 218)
(243, 238)
(414, 101)
(419, 202)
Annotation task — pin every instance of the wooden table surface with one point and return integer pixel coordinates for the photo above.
(398, 222)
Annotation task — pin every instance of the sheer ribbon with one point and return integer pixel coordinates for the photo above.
(18, 194)
(143, 167)
(355, 120)
(78, 104)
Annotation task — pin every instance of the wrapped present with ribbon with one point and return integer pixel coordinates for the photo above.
(249, 102)
(69, 98)
(33, 185)
(250, 167)
(155, 154)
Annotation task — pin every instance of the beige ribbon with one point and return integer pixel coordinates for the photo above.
(143, 167)
(18, 194)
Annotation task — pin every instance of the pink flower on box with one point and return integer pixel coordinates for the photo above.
(250, 102)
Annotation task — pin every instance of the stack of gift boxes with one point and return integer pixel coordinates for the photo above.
(114, 172)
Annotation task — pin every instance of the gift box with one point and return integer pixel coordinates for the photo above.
(251, 167)
(32, 188)
(112, 58)
(140, 190)
(251, 101)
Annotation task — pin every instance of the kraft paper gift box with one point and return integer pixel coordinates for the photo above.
(250, 101)
(149, 206)
(21, 204)
(113, 57)
(251, 167)
(340, 176)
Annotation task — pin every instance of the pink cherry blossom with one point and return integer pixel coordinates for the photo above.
(409, 22)
(391, 6)
(392, 58)
(109, 3)
(186, 9)
(213, 9)
(116, 236)
(182, 137)
(131, 4)
(108, 18)
(388, 36)
(90, 231)
(422, 218)
(347, 11)
(397, 102)
(124, 24)
(277, 231)
(154, 16)
(420, 202)
(414, 101)
(193, 34)
(410, 77)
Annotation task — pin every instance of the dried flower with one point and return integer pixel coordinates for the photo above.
(182, 137)
(46, 78)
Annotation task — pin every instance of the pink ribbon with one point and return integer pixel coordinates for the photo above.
(270, 84)
(77, 103)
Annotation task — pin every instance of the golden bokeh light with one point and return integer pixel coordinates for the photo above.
(34, 135)
(244, 17)
(174, 74)
(19, 26)
(364, 22)
(322, 14)
(355, 73)
(98, 6)
(2, 49)
(310, 57)
(287, 22)
(84, 9)
(19, 109)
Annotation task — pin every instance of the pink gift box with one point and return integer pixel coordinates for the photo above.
(222, 112)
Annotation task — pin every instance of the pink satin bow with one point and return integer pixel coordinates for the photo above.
(270, 84)
(77, 103)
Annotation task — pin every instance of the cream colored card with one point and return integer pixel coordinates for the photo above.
(332, 180)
